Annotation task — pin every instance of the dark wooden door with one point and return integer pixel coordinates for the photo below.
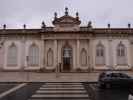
(67, 59)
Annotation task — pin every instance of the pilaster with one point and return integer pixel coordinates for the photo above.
(23, 53)
(110, 50)
(131, 54)
(42, 54)
(78, 47)
(91, 53)
(55, 53)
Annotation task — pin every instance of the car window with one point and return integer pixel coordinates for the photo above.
(114, 75)
(108, 75)
(121, 75)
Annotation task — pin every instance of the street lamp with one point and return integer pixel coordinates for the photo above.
(58, 70)
(27, 74)
(57, 75)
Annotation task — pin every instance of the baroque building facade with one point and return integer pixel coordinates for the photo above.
(66, 47)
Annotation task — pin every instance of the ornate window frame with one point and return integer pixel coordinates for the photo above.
(33, 53)
(12, 56)
(100, 54)
(121, 53)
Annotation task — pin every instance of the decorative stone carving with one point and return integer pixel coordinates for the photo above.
(129, 25)
(4, 26)
(43, 25)
(89, 24)
(66, 22)
(24, 26)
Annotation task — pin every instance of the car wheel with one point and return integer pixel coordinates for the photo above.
(108, 85)
(103, 86)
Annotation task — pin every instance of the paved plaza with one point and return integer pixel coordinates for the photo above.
(46, 77)
(50, 77)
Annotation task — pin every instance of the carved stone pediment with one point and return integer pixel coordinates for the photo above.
(66, 22)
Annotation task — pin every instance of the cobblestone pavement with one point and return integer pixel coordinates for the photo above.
(50, 77)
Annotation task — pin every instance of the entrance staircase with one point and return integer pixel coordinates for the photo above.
(61, 91)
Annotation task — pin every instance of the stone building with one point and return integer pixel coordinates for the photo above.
(66, 47)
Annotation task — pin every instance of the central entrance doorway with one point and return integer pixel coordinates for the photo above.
(67, 59)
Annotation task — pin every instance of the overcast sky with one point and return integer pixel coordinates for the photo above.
(15, 13)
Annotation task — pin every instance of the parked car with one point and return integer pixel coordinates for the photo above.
(114, 79)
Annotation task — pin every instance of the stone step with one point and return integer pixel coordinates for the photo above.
(63, 83)
(62, 91)
(59, 86)
(56, 88)
(50, 89)
(60, 96)
(59, 99)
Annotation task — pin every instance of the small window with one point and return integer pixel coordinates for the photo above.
(33, 55)
(100, 54)
(121, 50)
(12, 55)
(121, 54)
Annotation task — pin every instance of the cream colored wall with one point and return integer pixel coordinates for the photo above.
(18, 45)
(67, 28)
(113, 43)
(131, 54)
(61, 44)
(23, 49)
(28, 43)
(49, 44)
(44, 45)
(127, 45)
(2, 51)
(84, 44)
(105, 43)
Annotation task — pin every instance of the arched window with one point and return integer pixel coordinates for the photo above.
(50, 57)
(33, 55)
(12, 55)
(121, 54)
(83, 58)
(100, 54)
